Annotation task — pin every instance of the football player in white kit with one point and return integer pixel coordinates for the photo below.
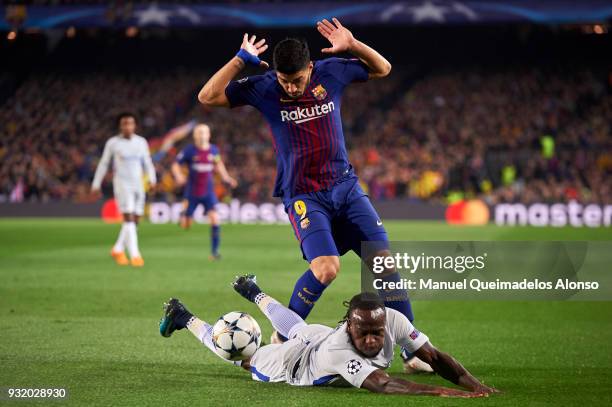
(356, 352)
(130, 155)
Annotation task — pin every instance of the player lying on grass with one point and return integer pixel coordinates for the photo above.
(301, 101)
(357, 351)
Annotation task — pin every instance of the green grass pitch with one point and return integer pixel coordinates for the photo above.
(69, 317)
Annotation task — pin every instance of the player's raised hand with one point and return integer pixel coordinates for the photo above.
(254, 48)
(339, 36)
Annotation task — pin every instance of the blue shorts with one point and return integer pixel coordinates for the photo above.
(208, 201)
(333, 221)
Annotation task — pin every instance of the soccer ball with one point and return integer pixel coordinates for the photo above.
(236, 336)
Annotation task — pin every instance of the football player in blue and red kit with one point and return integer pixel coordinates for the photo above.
(301, 100)
(201, 159)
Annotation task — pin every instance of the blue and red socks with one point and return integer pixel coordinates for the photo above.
(306, 292)
(399, 301)
(215, 238)
(396, 299)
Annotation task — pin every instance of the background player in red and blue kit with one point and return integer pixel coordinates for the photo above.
(301, 100)
(201, 159)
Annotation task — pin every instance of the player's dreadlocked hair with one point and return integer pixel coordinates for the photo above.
(364, 301)
(291, 55)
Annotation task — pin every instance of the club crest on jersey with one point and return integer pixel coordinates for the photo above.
(305, 223)
(414, 334)
(319, 92)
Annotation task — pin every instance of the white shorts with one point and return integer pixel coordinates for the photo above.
(270, 362)
(129, 199)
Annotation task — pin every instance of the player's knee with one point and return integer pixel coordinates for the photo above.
(213, 218)
(325, 268)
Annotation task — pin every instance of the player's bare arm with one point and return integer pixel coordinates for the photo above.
(220, 167)
(177, 173)
(342, 40)
(101, 170)
(380, 382)
(213, 91)
(450, 369)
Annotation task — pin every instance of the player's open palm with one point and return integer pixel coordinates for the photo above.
(338, 35)
(254, 48)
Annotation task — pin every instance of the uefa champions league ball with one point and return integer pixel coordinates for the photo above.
(236, 336)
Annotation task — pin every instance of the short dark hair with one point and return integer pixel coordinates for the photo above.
(123, 115)
(291, 55)
(364, 301)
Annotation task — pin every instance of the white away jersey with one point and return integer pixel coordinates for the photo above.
(326, 359)
(129, 156)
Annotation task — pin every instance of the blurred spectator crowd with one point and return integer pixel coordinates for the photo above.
(514, 134)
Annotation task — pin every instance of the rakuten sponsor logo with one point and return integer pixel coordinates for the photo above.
(304, 114)
(540, 214)
(234, 212)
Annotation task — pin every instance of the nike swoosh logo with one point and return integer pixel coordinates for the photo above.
(307, 291)
(379, 222)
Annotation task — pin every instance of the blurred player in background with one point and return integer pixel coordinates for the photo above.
(130, 155)
(201, 160)
(300, 99)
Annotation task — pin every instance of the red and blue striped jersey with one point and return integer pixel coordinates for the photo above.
(201, 164)
(307, 132)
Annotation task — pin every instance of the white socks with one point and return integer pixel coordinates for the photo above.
(284, 320)
(120, 243)
(132, 239)
(203, 332)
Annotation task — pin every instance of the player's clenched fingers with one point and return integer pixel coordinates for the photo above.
(264, 64)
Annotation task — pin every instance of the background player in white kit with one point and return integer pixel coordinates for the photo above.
(130, 155)
(356, 351)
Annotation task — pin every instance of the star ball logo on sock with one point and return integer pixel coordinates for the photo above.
(353, 366)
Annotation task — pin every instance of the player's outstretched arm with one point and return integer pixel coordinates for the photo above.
(450, 369)
(380, 382)
(213, 91)
(177, 173)
(102, 167)
(342, 40)
(149, 166)
(220, 166)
